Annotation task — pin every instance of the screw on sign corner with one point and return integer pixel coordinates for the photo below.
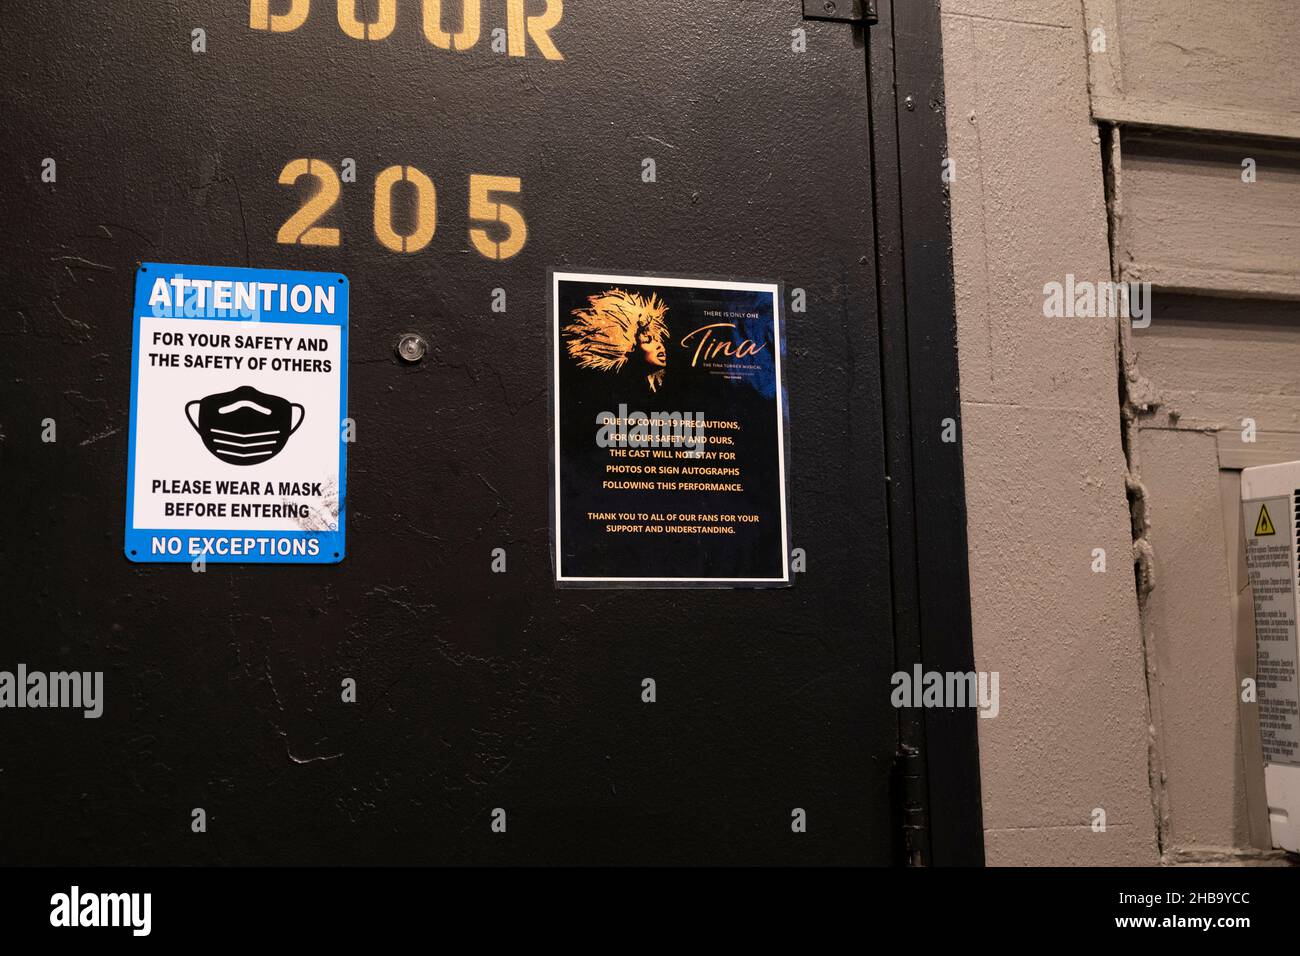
(411, 348)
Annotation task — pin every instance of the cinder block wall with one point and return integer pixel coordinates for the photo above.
(1043, 454)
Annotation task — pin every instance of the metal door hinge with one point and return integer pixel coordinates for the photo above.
(910, 814)
(842, 11)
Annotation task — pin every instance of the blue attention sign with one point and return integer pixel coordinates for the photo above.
(239, 428)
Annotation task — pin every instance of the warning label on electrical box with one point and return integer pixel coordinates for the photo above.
(1272, 564)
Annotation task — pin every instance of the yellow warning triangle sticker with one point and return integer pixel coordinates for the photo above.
(1264, 524)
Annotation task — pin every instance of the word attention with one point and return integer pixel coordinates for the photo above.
(179, 296)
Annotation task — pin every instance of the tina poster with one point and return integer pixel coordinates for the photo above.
(669, 432)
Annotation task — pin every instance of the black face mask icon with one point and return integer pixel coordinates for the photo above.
(245, 427)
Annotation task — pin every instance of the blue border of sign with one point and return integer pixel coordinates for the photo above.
(137, 546)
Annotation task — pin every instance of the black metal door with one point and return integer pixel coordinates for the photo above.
(475, 690)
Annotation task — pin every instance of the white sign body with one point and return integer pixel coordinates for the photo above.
(239, 424)
(1270, 497)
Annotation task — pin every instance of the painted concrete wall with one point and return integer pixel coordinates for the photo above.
(1227, 67)
(1209, 363)
(1045, 469)
(1208, 216)
(1188, 222)
(1111, 698)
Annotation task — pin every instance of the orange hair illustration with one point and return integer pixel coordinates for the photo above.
(606, 334)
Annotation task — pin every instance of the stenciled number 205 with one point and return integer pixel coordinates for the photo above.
(486, 205)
